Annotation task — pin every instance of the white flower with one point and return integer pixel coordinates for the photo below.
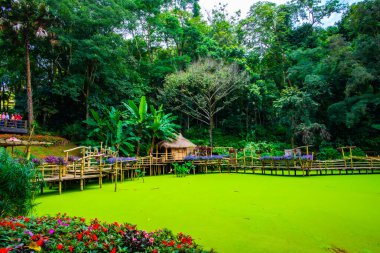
(17, 27)
(41, 33)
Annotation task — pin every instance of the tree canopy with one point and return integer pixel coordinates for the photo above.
(276, 74)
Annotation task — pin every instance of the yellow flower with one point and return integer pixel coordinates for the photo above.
(33, 246)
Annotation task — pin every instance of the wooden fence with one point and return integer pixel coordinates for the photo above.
(93, 165)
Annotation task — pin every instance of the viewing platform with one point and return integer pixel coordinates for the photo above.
(14, 126)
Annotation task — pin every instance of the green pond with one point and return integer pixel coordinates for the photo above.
(240, 212)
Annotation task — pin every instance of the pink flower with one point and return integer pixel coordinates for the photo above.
(151, 240)
(51, 231)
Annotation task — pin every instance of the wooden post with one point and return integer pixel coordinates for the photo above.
(100, 171)
(244, 159)
(351, 163)
(81, 174)
(28, 152)
(150, 163)
(116, 171)
(60, 179)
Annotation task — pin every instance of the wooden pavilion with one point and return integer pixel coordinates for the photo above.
(176, 149)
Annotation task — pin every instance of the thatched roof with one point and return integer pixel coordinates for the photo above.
(178, 142)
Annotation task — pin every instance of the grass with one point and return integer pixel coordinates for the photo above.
(241, 213)
(56, 150)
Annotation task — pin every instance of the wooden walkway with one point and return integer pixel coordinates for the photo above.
(93, 165)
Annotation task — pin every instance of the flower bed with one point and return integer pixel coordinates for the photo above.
(72, 234)
(278, 158)
(45, 138)
(51, 159)
(197, 158)
(121, 159)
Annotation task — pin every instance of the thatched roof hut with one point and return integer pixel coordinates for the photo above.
(177, 148)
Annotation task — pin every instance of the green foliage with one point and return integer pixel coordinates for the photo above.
(273, 75)
(134, 125)
(17, 188)
(111, 129)
(358, 152)
(267, 148)
(328, 153)
(182, 169)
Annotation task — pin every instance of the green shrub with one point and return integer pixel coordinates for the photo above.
(182, 169)
(358, 152)
(16, 185)
(328, 153)
(268, 148)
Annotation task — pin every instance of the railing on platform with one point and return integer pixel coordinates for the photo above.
(100, 162)
(14, 126)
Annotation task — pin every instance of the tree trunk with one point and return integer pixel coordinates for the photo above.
(29, 83)
(211, 126)
(292, 141)
(139, 134)
(87, 96)
(152, 145)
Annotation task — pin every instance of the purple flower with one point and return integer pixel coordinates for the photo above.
(36, 161)
(51, 159)
(55, 160)
(51, 231)
(73, 158)
(211, 157)
(121, 159)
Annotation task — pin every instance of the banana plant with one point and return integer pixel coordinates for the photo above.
(138, 117)
(162, 125)
(111, 129)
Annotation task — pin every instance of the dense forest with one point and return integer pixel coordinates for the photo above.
(275, 75)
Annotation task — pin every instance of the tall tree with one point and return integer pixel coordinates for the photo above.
(204, 89)
(29, 19)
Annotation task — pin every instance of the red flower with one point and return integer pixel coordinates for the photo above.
(26, 219)
(40, 242)
(94, 237)
(59, 246)
(116, 224)
(95, 226)
(113, 250)
(79, 236)
(179, 246)
(165, 243)
(184, 240)
(82, 219)
(155, 251)
(105, 230)
(71, 248)
(4, 250)
(171, 243)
